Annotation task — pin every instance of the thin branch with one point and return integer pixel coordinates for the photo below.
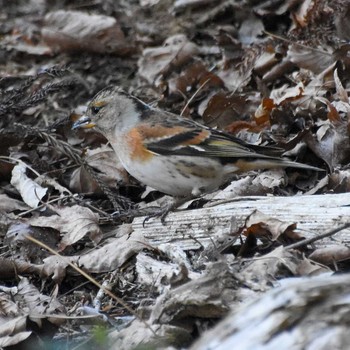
(92, 280)
(317, 238)
(193, 96)
(17, 160)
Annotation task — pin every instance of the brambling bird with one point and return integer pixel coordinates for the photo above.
(173, 155)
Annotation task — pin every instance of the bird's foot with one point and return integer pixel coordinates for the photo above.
(161, 213)
(150, 212)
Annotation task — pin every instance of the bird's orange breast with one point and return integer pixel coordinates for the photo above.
(136, 146)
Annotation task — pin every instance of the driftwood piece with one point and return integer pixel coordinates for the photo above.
(303, 313)
(190, 229)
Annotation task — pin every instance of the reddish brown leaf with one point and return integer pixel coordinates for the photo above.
(193, 77)
(74, 31)
(224, 108)
(262, 114)
(270, 229)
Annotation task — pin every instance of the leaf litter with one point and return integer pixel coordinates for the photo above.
(274, 74)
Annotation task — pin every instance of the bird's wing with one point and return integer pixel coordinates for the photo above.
(191, 139)
(182, 137)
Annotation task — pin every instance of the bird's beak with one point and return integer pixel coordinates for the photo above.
(83, 122)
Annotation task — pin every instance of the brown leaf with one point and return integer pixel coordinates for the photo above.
(309, 267)
(339, 181)
(310, 58)
(114, 253)
(12, 267)
(267, 60)
(223, 108)
(74, 31)
(74, 223)
(160, 61)
(110, 171)
(263, 271)
(331, 255)
(268, 228)
(239, 126)
(192, 78)
(262, 114)
(211, 299)
(330, 144)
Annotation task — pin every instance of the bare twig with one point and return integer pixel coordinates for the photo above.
(17, 160)
(317, 238)
(92, 280)
(194, 95)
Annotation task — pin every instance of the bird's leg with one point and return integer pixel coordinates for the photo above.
(163, 211)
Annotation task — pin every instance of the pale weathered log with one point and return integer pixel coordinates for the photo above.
(189, 228)
(303, 313)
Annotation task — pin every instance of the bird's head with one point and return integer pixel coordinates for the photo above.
(112, 110)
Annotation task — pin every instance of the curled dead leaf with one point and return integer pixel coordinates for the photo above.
(109, 168)
(262, 114)
(330, 255)
(31, 192)
(192, 78)
(73, 223)
(160, 61)
(267, 228)
(75, 31)
(315, 60)
(223, 108)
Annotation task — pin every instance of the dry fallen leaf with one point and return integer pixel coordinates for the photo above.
(73, 223)
(195, 76)
(265, 227)
(137, 335)
(21, 307)
(30, 191)
(315, 60)
(224, 108)
(265, 271)
(37, 304)
(13, 331)
(214, 292)
(108, 166)
(159, 61)
(75, 31)
(331, 254)
(8, 204)
(16, 238)
(113, 254)
(331, 143)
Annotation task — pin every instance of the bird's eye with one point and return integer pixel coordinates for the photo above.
(95, 109)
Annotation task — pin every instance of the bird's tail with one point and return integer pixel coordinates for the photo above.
(265, 163)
